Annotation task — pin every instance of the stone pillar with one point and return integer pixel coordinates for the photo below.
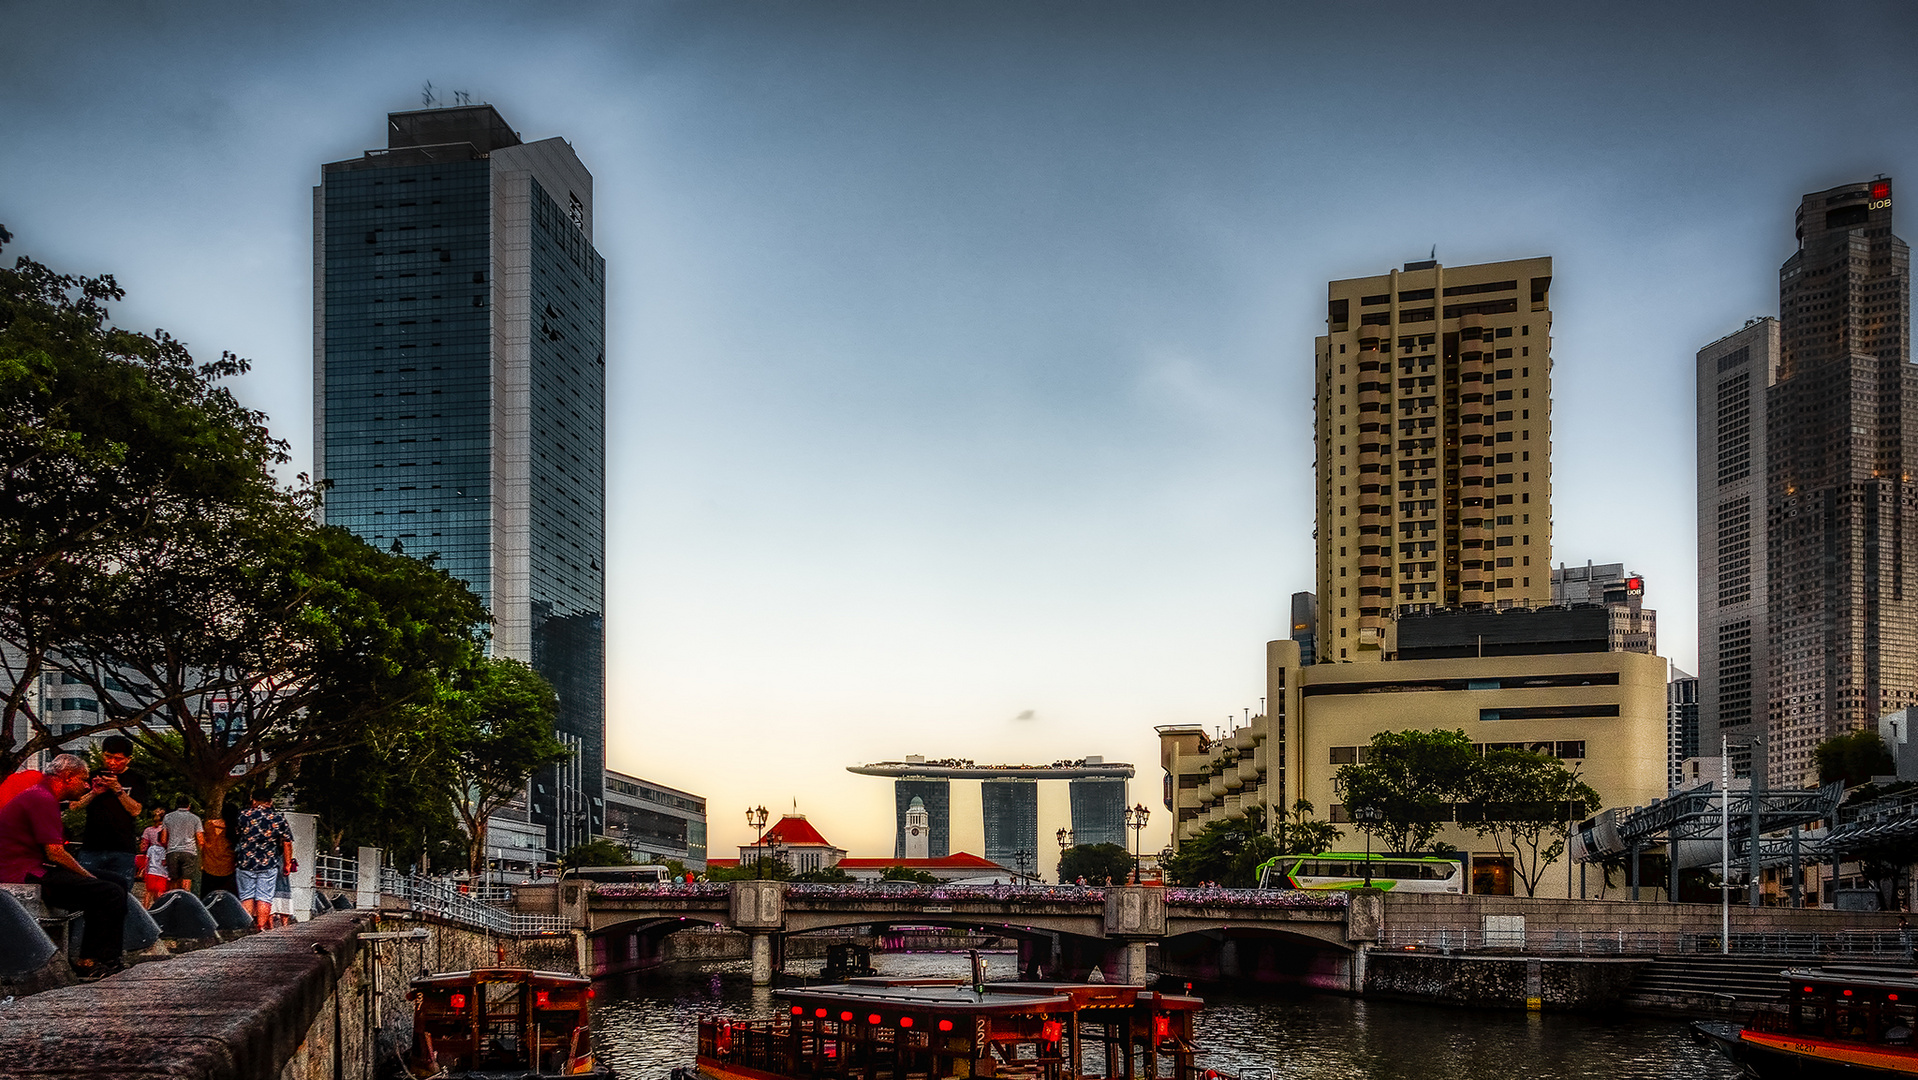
(1364, 922)
(305, 849)
(762, 957)
(1134, 915)
(759, 908)
(367, 896)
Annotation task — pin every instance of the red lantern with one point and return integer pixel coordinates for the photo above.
(1161, 1028)
(458, 1001)
(798, 1010)
(845, 1016)
(873, 1019)
(905, 1021)
(541, 999)
(1051, 1030)
(945, 1025)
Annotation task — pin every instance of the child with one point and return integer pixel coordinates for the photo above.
(153, 843)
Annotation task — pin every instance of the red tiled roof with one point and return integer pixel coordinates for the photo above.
(792, 829)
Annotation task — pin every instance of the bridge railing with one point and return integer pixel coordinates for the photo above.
(444, 899)
(1831, 945)
(334, 872)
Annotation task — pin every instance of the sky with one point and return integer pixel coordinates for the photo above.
(959, 353)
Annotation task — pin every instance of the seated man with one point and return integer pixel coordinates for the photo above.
(33, 849)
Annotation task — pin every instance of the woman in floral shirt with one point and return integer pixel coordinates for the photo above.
(261, 851)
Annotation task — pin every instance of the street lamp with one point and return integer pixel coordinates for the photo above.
(1725, 839)
(1368, 817)
(756, 817)
(1021, 860)
(1135, 819)
(1065, 840)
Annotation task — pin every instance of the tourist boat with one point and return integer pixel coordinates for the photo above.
(501, 1024)
(1831, 1022)
(915, 1029)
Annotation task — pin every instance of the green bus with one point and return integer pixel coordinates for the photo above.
(1349, 870)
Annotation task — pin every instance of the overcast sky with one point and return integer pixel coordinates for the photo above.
(959, 354)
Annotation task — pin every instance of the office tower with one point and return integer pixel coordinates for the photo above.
(1842, 520)
(1011, 811)
(1634, 627)
(935, 796)
(1305, 623)
(1098, 811)
(1733, 376)
(1681, 726)
(459, 317)
(1433, 447)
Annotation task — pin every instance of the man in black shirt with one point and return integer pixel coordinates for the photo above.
(113, 801)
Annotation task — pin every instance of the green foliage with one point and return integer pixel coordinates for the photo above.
(113, 445)
(1226, 853)
(596, 852)
(907, 873)
(830, 875)
(393, 795)
(1526, 801)
(1854, 758)
(1410, 781)
(1299, 833)
(499, 724)
(1098, 864)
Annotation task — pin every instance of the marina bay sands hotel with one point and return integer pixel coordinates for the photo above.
(1009, 802)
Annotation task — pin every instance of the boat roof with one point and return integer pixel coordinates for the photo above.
(1860, 977)
(462, 978)
(949, 995)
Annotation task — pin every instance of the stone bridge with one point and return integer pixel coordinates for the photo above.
(1062, 932)
(1315, 939)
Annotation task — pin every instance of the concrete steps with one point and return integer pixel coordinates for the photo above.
(1718, 985)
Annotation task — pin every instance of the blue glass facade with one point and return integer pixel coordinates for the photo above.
(1011, 812)
(1098, 811)
(420, 436)
(408, 386)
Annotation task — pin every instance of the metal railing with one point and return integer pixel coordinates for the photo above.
(336, 873)
(1833, 945)
(431, 896)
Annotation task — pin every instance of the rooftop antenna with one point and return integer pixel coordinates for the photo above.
(461, 97)
(1434, 255)
(426, 94)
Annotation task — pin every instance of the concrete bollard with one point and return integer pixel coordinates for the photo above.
(142, 937)
(227, 912)
(181, 916)
(29, 960)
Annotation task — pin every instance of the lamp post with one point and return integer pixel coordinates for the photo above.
(1367, 818)
(1020, 861)
(756, 817)
(1135, 820)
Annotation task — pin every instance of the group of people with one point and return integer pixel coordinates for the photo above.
(244, 854)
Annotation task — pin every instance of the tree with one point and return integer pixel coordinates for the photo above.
(1854, 758)
(111, 443)
(1411, 780)
(595, 853)
(1298, 833)
(1226, 853)
(259, 639)
(907, 873)
(1526, 800)
(392, 794)
(501, 731)
(1099, 864)
(825, 875)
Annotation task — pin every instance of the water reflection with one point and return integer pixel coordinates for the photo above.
(647, 1025)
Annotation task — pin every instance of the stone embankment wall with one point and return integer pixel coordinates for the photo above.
(308, 1002)
(1544, 914)
(1500, 981)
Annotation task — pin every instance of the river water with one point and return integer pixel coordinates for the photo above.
(646, 1025)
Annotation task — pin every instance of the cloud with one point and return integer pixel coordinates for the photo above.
(1027, 715)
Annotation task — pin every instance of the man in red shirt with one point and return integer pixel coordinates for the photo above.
(33, 849)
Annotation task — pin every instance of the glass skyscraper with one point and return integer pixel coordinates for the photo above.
(459, 312)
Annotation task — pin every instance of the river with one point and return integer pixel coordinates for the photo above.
(645, 1026)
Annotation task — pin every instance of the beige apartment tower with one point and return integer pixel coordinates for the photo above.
(1433, 403)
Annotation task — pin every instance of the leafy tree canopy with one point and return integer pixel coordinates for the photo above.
(1098, 864)
(907, 873)
(1854, 758)
(500, 729)
(1409, 784)
(598, 852)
